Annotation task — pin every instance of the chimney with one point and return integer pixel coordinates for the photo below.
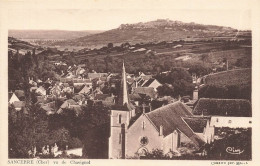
(150, 107)
(195, 93)
(143, 109)
(161, 130)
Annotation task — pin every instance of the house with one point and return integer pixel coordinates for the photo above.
(20, 94)
(233, 113)
(84, 89)
(152, 83)
(18, 105)
(142, 79)
(202, 127)
(33, 89)
(136, 98)
(105, 99)
(49, 107)
(55, 90)
(145, 91)
(41, 91)
(223, 107)
(80, 82)
(12, 98)
(140, 50)
(92, 76)
(163, 129)
(70, 104)
(79, 70)
(80, 99)
(32, 83)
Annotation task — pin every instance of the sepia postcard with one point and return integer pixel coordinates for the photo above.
(150, 82)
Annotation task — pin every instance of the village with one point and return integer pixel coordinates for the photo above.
(141, 118)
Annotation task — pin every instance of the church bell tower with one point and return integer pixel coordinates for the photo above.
(119, 120)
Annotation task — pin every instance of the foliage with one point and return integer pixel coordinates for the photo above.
(180, 80)
(165, 90)
(29, 130)
(239, 140)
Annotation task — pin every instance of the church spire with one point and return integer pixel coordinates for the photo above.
(123, 96)
(124, 85)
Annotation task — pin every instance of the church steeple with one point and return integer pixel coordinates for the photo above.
(123, 96)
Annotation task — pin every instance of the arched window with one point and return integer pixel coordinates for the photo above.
(142, 151)
(119, 118)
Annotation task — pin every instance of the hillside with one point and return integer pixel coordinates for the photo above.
(231, 77)
(48, 34)
(153, 31)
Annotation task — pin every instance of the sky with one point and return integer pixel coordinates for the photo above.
(104, 18)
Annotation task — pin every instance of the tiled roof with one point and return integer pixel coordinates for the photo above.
(148, 82)
(103, 78)
(47, 108)
(79, 97)
(96, 75)
(146, 77)
(19, 94)
(130, 80)
(197, 124)
(101, 96)
(149, 91)
(19, 104)
(134, 97)
(71, 101)
(10, 94)
(66, 85)
(170, 117)
(77, 89)
(223, 107)
(77, 80)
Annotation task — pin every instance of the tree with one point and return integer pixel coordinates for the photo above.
(204, 58)
(110, 45)
(165, 90)
(108, 59)
(180, 79)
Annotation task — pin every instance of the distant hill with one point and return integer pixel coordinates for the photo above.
(153, 31)
(23, 46)
(49, 34)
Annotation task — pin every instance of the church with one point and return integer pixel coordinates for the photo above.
(166, 128)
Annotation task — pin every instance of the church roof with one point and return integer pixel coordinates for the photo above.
(170, 117)
(223, 107)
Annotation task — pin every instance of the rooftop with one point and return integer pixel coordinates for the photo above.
(170, 117)
(223, 107)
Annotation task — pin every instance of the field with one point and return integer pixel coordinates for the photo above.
(215, 51)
